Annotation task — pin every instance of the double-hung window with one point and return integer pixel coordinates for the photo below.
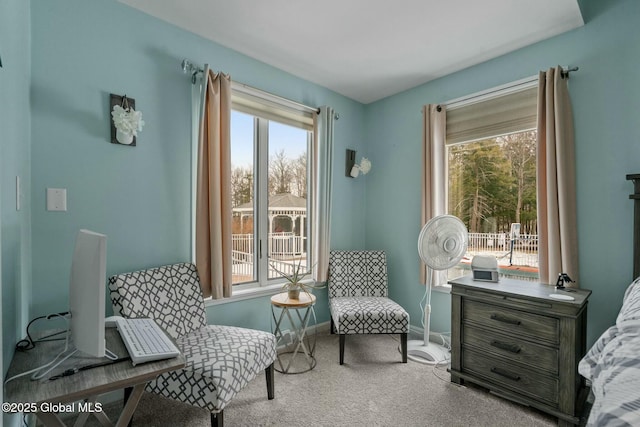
(491, 168)
(271, 184)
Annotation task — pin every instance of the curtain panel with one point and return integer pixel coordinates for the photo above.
(213, 189)
(322, 189)
(434, 179)
(558, 236)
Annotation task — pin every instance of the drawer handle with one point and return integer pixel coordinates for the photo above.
(505, 374)
(505, 319)
(513, 348)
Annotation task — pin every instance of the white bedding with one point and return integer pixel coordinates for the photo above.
(613, 367)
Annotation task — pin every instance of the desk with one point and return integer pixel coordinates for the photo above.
(87, 384)
(299, 324)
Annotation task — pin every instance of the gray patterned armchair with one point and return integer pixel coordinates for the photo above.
(358, 298)
(220, 360)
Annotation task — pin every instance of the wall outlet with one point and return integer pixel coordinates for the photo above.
(56, 199)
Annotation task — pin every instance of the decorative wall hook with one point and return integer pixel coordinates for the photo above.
(126, 122)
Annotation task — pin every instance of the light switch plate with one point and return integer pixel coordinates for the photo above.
(56, 199)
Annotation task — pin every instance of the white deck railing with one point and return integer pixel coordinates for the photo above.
(280, 244)
(283, 249)
(525, 248)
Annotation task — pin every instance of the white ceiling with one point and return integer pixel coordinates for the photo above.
(369, 49)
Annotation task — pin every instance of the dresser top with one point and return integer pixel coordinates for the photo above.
(523, 288)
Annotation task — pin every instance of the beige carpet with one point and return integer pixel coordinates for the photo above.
(372, 388)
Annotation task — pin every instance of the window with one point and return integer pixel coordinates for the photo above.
(491, 163)
(270, 185)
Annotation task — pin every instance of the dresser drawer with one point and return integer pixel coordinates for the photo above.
(511, 376)
(516, 322)
(513, 348)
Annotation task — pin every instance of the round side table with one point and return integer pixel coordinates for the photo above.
(301, 343)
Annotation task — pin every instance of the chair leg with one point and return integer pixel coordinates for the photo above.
(342, 336)
(332, 326)
(217, 420)
(127, 393)
(269, 373)
(403, 345)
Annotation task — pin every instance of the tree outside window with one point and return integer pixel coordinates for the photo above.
(492, 185)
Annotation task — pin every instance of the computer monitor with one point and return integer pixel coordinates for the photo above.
(87, 289)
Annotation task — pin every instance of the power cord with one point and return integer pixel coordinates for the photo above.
(29, 343)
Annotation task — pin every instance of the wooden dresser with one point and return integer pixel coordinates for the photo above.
(518, 342)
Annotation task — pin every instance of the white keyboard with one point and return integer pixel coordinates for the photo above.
(145, 340)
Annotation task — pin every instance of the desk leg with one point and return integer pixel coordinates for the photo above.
(130, 405)
(100, 416)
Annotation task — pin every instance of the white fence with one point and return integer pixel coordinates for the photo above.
(525, 248)
(282, 247)
(280, 244)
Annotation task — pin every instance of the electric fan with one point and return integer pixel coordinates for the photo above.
(441, 245)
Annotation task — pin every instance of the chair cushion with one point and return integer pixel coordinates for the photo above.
(368, 315)
(170, 295)
(220, 361)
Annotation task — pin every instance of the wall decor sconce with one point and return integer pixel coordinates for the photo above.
(352, 169)
(126, 122)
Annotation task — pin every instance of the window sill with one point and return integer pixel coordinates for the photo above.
(445, 289)
(245, 294)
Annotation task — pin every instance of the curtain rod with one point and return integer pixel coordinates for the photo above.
(565, 71)
(189, 67)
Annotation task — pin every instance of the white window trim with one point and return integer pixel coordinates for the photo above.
(481, 96)
(270, 286)
(494, 92)
(251, 293)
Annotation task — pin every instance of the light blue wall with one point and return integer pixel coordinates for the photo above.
(15, 255)
(82, 51)
(140, 196)
(605, 95)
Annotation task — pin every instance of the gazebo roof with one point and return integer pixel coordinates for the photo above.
(278, 202)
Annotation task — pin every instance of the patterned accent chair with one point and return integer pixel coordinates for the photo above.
(358, 298)
(220, 360)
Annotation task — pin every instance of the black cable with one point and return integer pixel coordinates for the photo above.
(72, 371)
(28, 343)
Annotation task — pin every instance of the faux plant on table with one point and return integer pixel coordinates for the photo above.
(294, 283)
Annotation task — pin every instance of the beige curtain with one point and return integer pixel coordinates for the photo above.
(213, 189)
(322, 186)
(434, 179)
(558, 237)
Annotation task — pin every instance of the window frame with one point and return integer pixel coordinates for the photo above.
(249, 100)
(261, 199)
(475, 98)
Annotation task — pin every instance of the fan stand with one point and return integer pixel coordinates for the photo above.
(425, 351)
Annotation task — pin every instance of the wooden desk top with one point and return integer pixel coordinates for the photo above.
(82, 384)
(304, 300)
